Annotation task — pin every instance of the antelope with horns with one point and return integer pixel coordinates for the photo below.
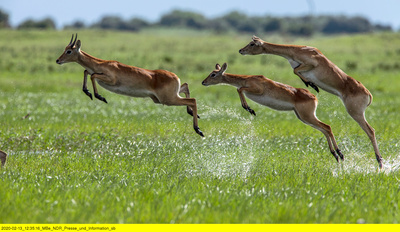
(277, 96)
(162, 86)
(316, 70)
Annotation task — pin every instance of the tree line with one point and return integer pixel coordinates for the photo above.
(233, 21)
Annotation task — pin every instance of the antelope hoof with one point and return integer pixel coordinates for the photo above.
(251, 111)
(379, 159)
(340, 154)
(88, 93)
(198, 131)
(335, 155)
(98, 96)
(305, 82)
(314, 86)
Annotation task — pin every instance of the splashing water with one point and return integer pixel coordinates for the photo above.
(362, 163)
(225, 155)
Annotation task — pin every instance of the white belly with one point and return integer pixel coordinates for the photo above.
(124, 90)
(311, 77)
(319, 81)
(272, 103)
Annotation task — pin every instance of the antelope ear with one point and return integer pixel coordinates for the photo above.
(224, 67)
(257, 40)
(78, 44)
(217, 67)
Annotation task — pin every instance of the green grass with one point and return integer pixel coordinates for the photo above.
(73, 160)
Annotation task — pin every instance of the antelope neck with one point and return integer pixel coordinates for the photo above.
(276, 49)
(88, 61)
(234, 79)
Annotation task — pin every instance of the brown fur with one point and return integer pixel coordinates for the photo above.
(317, 70)
(162, 86)
(277, 96)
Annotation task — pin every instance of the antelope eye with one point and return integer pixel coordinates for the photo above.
(69, 52)
(252, 44)
(212, 75)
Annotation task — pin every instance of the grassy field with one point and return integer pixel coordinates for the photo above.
(73, 160)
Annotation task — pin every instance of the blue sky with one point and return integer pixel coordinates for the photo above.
(90, 11)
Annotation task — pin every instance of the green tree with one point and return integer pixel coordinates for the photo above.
(75, 25)
(272, 25)
(234, 19)
(4, 23)
(178, 18)
(136, 24)
(46, 23)
(347, 25)
(111, 22)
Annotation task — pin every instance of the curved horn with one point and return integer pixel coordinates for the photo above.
(76, 36)
(71, 39)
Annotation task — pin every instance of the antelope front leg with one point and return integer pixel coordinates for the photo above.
(243, 100)
(303, 68)
(84, 88)
(102, 77)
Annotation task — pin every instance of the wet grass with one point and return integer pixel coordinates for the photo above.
(73, 160)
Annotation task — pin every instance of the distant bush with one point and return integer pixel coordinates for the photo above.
(116, 23)
(347, 25)
(46, 23)
(4, 23)
(75, 25)
(111, 22)
(232, 21)
(301, 25)
(272, 25)
(179, 18)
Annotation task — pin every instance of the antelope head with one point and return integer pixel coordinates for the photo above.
(71, 52)
(216, 76)
(255, 47)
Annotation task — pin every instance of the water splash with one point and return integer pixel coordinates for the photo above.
(363, 164)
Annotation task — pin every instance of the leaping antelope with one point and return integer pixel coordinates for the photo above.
(3, 158)
(162, 86)
(277, 96)
(316, 70)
